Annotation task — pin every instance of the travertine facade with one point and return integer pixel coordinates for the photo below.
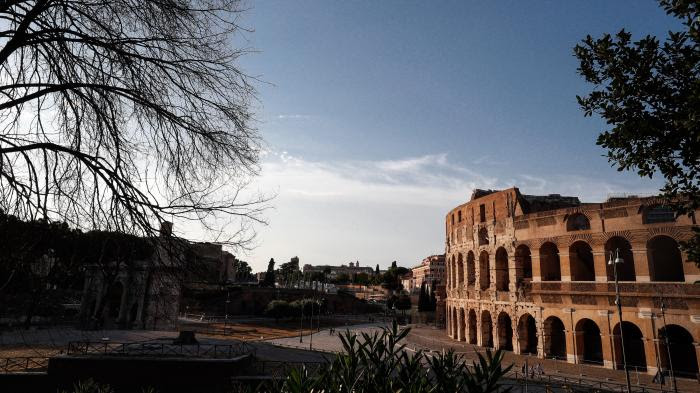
(530, 274)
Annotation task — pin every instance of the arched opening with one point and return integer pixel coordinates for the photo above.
(471, 270)
(461, 325)
(505, 332)
(588, 342)
(634, 346)
(527, 334)
(678, 342)
(577, 222)
(581, 262)
(665, 262)
(502, 279)
(486, 327)
(484, 275)
(554, 338)
(483, 236)
(460, 271)
(523, 264)
(114, 299)
(625, 270)
(472, 327)
(549, 262)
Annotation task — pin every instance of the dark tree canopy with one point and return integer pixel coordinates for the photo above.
(118, 115)
(648, 92)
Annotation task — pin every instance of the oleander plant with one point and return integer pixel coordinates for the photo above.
(380, 363)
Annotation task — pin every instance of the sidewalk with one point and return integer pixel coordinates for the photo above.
(436, 339)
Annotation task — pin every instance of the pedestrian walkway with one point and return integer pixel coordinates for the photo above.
(422, 337)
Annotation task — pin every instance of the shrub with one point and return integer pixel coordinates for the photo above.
(378, 363)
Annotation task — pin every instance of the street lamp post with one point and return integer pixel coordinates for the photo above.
(619, 314)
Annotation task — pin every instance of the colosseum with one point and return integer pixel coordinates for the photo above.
(533, 275)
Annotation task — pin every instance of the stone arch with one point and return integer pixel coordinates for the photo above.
(625, 270)
(589, 345)
(505, 331)
(581, 262)
(453, 276)
(678, 342)
(472, 327)
(634, 346)
(486, 329)
(665, 261)
(484, 270)
(460, 271)
(471, 270)
(550, 268)
(502, 273)
(460, 325)
(554, 338)
(523, 264)
(577, 222)
(527, 334)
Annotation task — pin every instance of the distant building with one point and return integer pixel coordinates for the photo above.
(431, 271)
(334, 271)
(407, 282)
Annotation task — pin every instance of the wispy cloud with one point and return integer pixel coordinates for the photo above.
(431, 179)
(293, 117)
(377, 211)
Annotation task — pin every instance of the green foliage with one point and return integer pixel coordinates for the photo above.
(90, 386)
(648, 92)
(280, 309)
(270, 274)
(379, 363)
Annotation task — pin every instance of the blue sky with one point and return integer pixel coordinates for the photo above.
(380, 116)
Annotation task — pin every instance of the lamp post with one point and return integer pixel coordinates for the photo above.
(619, 314)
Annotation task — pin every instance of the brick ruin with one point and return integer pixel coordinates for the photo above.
(530, 274)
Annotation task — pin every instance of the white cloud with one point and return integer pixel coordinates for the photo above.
(293, 116)
(385, 210)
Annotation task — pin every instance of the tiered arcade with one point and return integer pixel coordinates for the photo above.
(529, 274)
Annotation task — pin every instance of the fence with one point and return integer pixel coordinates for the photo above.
(23, 364)
(216, 351)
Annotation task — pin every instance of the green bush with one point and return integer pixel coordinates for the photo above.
(279, 309)
(378, 363)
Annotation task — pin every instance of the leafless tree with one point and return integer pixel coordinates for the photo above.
(121, 114)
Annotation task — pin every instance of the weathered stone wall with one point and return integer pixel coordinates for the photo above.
(536, 280)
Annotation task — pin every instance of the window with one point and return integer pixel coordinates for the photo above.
(459, 216)
(659, 213)
(482, 213)
(577, 222)
(453, 218)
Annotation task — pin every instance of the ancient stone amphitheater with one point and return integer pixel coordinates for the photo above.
(530, 274)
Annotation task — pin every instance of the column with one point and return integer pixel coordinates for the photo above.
(492, 272)
(448, 321)
(460, 319)
(536, 272)
(641, 263)
(565, 265)
(512, 277)
(539, 322)
(600, 265)
(479, 333)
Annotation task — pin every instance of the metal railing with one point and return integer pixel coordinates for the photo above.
(216, 351)
(23, 364)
